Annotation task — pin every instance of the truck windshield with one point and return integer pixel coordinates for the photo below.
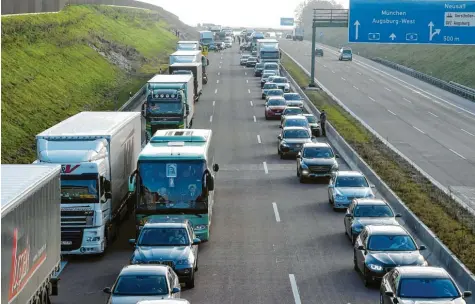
(79, 189)
(180, 59)
(270, 55)
(167, 185)
(165, 107)
(206, 40)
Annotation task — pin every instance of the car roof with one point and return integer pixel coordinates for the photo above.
(309, 115)
(293, 108)
(165, 224)
(386, 230)
(276, 97)
(370, 202)
(282, 77)
(316, 145)
(274, 90)
(300, 117)
(144, 270)
(291, 93)
(295, 128)
(349, 173)
(423, 272)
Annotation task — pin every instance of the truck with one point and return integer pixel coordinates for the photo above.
(175, 178)
(96, 151)
(185, 56)
(207, 39)
(297, 33)
(187, 45)
(268, 50)
(196, 68)
(254, 37)
(31, 238)
(169, 104)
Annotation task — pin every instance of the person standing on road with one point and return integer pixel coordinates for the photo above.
(239, 40)
(323, 120)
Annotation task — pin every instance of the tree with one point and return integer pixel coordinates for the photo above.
(304, 11)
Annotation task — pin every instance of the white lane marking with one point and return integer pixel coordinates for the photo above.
(245, 73)
(219, 73)
(254, 118)
(467, 132)
(388, 89)
(333, 72)
(220, 61)
(276, 212)
(214, 102)
(216, 91)
(391, 112)
(247, 81)
(249, 91)
(458, 154)
(371, 98)
(219, 66)
(358, 73)
(265, 167)
(217, 81)
(356, 88)
(295, 289)
(324, 66)
(211, 118)
(419, 130)
(259, 139)
(371, 80)
(343, 78)
(433, 114)
(407, 100)
(250, 101)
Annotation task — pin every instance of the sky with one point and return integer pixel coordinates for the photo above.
(247, 13)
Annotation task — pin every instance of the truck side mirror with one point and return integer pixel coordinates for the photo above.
(108, 195)
(132, 180)
(107, 185)
(215, 167)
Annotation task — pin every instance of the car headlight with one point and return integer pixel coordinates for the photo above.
(283, 144)
(339, 196)
(357, 228)
(424, 264)
(334, 167)
(369, 195)
(303, 165)
(183, 262)
(135, 261)
(200, 227)
(375, 267)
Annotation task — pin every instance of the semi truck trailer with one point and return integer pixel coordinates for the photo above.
(297, 33)
(196, 68)
(31, 236)
(97, 152)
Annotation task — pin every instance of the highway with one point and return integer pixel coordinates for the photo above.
(273, 240)
(432, 127)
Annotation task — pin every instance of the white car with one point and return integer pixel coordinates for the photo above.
(345, 186)
(282, 83)
(228, 42)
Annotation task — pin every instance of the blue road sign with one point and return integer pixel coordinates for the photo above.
(412, 22)
(287, 21)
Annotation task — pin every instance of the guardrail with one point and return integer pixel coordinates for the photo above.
(131, 103)
(440, 254)
(452, 87)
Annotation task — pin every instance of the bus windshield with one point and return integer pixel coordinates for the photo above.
(166, 185)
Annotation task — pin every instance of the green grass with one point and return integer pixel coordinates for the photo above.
(50, 70)
(450, 63)
(434, 208)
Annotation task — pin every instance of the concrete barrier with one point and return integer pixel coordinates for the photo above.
(440, 254)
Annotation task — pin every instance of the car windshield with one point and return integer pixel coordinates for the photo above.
(296, 134)
(318, 152)
(275, 93)
(292, 97)
(296, 123)
(252, 59)
(245, 56)
(270, 86)
(347, 52)
(428, 288)
(163, 237)
(351, 181)
(141, 285)
(259, 66)
(373, 211)
(280, 80)
(276, 102)
(311, 119)
(272, 67)
(391, 243)
(293, 111)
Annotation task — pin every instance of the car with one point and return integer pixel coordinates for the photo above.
(318, 52)
(228, 42)
(265, 76)
(144, 282)
(418, 284)
(267, 86)
(272, 66)
(380, 248)
(244, 58)
(290, 111)
(282, 82)
(295, 121)
(291, 140)
(295, 103)
(274, 92)
(288, 37)
(345, 54)
(243, 46)
(293, 97)
(171, 242)
(258, 68)
(254, 53)
(345, 186)
(220, 45)
(274, 107)
(251, 62)
(316, 160)
(314, 124)
(367, 211)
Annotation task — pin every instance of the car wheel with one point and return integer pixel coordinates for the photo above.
(298, 173)
(281, 156)
(196, 266)
(267, 118)
(355, 265)
(191, 282)
(263, 96)
(302, 179)
(366, 280)
(353, 239)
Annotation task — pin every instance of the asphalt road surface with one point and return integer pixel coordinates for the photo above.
(273, 240)
(432, 127)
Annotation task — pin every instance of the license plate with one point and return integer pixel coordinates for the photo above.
(66, 242)
(278, 113)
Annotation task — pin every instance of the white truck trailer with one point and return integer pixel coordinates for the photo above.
(97, 152)
(196, 68)
(31, 238)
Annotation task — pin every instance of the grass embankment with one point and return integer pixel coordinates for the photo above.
(434, 208)
(83, 58)
(450, 63)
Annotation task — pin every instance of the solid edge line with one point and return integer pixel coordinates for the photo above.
(295, 289)
(265, 167)
(276, 212)
(458, 154)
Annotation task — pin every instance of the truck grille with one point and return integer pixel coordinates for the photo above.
(168, 263)
(319, 169)
(73, 237)
(76, 218)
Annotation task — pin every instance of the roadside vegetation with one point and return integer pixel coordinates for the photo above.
(441, 214)
(450, 63)
(83, 58)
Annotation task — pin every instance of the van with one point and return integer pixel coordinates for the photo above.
(345, 54)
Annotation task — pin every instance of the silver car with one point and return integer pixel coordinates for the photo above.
(144, 282)
(290, 111)
(244, 58)
(347, 185)
(295, 121)
(283, 83)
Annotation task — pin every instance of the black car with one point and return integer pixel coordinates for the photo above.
(251, 62)
(420, 284)
(380, 248)
(318, 52)
(258, 68)
(316, 160)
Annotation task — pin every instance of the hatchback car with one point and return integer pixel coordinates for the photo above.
(274, 107)
(244, 58)
(290, 111)
(258, 68)
(265, 76)
(420, 284)
(268, 86)
(291, 140)
(347, 185)
(274, 92)
(314, 124)
(379, 248)
(316, 160)
(251, 62)
(367, 211)
(295, 121)
(293, 99)
(144, 282)
(318, 52)
(282, 83)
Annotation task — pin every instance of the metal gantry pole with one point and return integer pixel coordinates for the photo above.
(312, 71)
